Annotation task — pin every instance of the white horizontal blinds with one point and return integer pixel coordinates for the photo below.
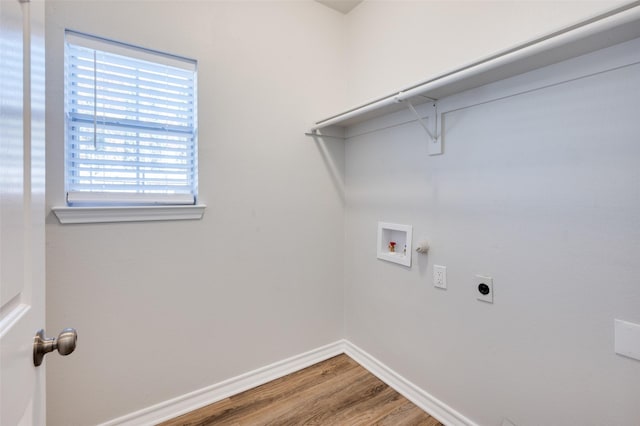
(131, 125)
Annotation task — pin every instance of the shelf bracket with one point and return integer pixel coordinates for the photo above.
(435, 143)
(315, 134)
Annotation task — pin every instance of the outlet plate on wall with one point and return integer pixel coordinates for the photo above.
(440, 276)
(484, 288)
(627, 339)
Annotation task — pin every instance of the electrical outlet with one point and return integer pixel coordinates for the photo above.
(440, 276)
(484, 288)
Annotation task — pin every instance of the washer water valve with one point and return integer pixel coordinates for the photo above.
(423, 247)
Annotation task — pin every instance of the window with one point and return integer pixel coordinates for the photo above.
(131, 125)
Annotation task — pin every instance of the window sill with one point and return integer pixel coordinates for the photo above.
(69, 215)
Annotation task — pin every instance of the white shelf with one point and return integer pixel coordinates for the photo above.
(617, 26)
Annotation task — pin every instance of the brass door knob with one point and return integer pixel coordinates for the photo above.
(65, 344)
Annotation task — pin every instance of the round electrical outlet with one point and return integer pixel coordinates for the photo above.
(483, 289)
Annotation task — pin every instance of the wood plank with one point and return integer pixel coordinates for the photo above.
(407, 414)
(305, 406)
(337, 391)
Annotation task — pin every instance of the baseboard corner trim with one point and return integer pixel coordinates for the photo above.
(197, 399)
(427, 402)
(186, 403)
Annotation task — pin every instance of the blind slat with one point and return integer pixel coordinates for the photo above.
(113, 150)
(84, 94)
(99, 180)
(127, 84)
(126, 125)
(135, 119)
(107, 149)
(81, 55)
(165, 188)
(122, 166)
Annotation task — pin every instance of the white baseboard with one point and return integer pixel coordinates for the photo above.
(185, 403)
(192, 401)
(404, 387)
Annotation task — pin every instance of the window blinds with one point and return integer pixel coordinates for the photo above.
(130, 124)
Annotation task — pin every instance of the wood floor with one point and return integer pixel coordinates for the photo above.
(334, 392)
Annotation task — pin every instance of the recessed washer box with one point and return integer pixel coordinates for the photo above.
(394, 243)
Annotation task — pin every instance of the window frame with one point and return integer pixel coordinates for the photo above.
(92, 207)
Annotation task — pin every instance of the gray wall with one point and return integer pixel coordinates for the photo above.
(166, 308)
(392, 44)
(539, 190)
(525, 192)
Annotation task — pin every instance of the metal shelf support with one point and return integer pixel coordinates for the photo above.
(431, 128)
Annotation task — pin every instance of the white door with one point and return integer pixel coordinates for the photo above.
(21, 210)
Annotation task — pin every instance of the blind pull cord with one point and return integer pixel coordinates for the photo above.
(95, 101)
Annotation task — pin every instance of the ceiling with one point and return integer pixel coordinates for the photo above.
(342, 6)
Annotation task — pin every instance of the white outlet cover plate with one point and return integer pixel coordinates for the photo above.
(627, 339)
(440, 276)
(480, 279)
